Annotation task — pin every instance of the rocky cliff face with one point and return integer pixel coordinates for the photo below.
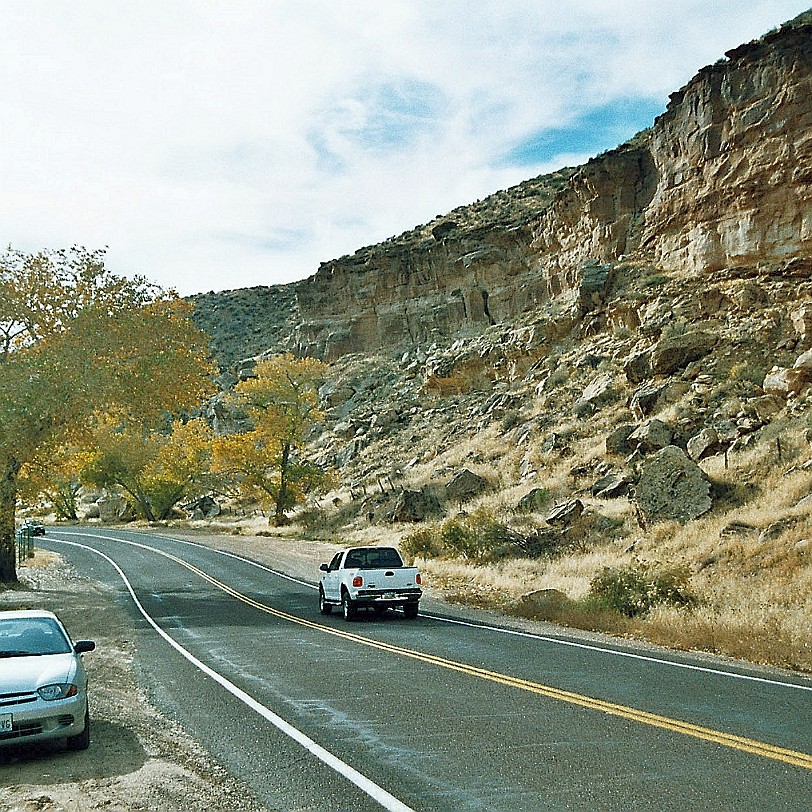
(722, 180)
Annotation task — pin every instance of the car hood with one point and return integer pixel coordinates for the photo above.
(29, 673)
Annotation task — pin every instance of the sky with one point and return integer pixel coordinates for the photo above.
(219, 145)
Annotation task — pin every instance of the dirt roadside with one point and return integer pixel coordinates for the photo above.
(138, 759)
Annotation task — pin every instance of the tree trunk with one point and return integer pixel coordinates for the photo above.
(282, 497)
(9, 469)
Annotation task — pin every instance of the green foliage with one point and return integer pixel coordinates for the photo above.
(423, 543)
(634, 589)
(655, 280)
(474, 537)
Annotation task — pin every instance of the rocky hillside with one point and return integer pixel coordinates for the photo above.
(591, 356)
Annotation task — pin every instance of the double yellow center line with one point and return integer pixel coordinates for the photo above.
(745, 745)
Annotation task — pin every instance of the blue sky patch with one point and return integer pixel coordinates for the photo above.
(594, 131)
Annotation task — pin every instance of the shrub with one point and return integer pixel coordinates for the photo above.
(422, 543)
(636, 588)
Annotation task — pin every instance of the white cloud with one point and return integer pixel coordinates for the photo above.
(216, 145)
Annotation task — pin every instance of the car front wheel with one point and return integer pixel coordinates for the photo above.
(82, 740)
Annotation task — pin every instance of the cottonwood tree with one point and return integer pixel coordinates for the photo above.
(77, 340)
(55, 474)
(154, 468)
(265, 462)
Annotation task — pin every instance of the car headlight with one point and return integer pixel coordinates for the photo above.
(60, 690)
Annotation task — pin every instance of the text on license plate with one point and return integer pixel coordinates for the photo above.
(5, 723)
(389, 596)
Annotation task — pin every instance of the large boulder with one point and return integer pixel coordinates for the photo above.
(415, 506)
(114, 508)
(672, 487)
(676, 352)
(465, 485)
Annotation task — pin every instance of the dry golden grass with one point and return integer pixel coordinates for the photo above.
(754, 596)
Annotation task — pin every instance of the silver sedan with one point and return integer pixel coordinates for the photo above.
(43, 684)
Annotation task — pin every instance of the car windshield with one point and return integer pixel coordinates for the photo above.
(374, 558)
(31, 636)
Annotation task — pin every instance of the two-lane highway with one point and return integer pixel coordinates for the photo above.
(439, 713)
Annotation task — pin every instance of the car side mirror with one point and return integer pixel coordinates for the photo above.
(83, 646)
(325, 568)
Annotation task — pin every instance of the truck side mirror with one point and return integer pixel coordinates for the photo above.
(325, 568)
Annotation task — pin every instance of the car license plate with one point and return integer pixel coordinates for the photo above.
(388, 596)
(5, 723)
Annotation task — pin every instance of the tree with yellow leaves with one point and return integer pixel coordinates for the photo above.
(77, 340)
(155, 469)
(265, 462)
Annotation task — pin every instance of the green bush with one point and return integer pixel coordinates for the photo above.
(633, 590)
(474, 537)
(422, 543)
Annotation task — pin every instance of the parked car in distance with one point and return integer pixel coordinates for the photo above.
(43, 684)
(33, 527)
(369, 578)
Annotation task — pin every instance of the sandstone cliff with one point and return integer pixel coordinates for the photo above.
(722, 179)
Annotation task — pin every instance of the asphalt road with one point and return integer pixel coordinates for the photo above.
(440, 713)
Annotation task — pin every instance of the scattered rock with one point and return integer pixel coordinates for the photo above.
(566, 513)
(651, 436)
(776, 529)
(703, 444)
(611, 486)
(737, 529)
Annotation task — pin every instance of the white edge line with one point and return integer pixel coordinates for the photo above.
(375, 792)
(514, 632)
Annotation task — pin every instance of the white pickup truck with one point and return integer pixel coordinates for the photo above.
(369, 578)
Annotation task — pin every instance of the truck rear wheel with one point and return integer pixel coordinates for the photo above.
(410, 610)
(347, 607)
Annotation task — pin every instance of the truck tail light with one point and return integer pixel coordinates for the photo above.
(358, 581)
(418, 579)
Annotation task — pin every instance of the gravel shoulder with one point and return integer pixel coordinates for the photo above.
(138, 759)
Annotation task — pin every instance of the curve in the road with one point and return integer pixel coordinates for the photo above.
(373, 790)
(751, 746)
